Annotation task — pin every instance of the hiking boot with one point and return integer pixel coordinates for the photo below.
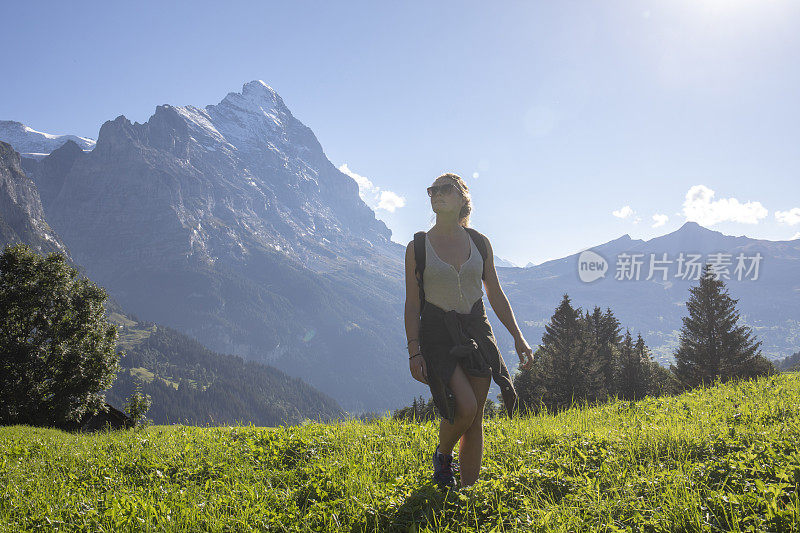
(443, 469)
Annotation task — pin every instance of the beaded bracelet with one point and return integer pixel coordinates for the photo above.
(416, 354)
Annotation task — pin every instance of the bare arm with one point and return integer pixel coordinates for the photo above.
(499, 302)
(497, 298)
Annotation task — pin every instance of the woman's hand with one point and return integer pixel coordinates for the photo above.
(418, 368)
(523, 351)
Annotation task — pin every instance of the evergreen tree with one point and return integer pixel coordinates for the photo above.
(570, 371)
(624, 377)
(634, 369)
(609, 336)
(605, 331)
(429, 412)
(489, 409)
(712, 346)
(663, 382)
(645, 385)
(593, 383)
(789, 364)
(529, 384)
(560, 369)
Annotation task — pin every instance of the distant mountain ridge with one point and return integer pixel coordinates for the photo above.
(769, 304)
(37, 144)
(499, 261)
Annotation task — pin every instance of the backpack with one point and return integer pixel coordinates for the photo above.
(419, 257)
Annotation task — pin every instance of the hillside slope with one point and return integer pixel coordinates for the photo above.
(190, 384)
(717, 459)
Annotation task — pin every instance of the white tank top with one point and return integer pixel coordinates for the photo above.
(448, 288)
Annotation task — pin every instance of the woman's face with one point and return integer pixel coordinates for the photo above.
(451, 200)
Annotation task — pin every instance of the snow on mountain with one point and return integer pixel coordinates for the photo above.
(250, 118)
(500, 262)
(37, 144)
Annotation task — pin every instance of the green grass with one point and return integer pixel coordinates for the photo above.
(120, 319)
(133, 335)
(145, 375)
(720, 459)
(142, 373)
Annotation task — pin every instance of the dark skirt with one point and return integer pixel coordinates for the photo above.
(448, 338)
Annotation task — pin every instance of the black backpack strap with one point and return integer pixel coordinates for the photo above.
(419, 259)
(480, 242)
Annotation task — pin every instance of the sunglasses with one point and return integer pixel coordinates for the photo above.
(443, 189)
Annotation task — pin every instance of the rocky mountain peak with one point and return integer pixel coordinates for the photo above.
(114, 133)
(68, 149)
(233, 178)
(257, 119)
(693, 228)
(259, 89)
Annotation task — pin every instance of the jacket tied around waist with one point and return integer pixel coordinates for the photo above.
(448, 338)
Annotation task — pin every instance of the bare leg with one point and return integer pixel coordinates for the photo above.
(466, 407)
(471, 448)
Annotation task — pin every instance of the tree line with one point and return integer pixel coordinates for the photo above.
(586, 359)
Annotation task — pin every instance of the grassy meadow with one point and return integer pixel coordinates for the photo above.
(724, 458)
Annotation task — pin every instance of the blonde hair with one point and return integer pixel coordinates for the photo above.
(466, 209)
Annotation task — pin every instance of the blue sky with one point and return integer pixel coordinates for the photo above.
(558, 114)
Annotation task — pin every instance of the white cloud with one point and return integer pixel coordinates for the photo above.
(372, 195)
(701, 207)
(790, 217)
(390, 201)
(796, 236)
(637, 220)
(623, 212)
(659, 220)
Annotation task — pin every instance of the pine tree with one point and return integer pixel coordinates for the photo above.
(645, 384)
(560, 370)
(529, 384)
(712, 346)
(430, 409)
(663, 381)
(570, 372)
(624, 370)
(593, 383)
(606, 333)
(635, 371)
(610, 336)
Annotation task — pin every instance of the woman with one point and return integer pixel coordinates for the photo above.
(450, 343)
